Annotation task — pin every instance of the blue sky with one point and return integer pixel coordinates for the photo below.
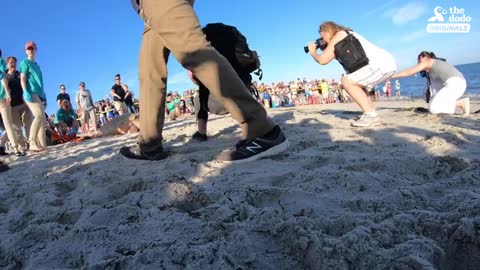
(91, 40)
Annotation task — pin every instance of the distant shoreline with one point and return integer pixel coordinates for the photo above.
(474, 63)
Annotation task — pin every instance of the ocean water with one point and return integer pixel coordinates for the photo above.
(415, 86)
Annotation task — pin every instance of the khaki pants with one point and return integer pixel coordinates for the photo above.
(21, 116)
(37, 135)
(171, 25)
(6, 112)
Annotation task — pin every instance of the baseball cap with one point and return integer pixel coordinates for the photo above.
(30, 44)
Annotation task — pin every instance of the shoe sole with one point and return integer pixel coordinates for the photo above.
(277, 149)
(126, 154)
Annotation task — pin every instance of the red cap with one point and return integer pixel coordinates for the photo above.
(30, 44)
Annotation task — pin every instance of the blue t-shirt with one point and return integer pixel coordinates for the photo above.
(34, 80)
(266, 95)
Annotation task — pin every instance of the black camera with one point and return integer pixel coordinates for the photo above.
(321, 44)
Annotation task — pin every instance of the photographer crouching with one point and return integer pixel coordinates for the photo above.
(365, 64)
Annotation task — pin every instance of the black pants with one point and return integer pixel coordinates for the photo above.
(204, 103)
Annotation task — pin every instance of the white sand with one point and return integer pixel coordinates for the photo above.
(403, 195)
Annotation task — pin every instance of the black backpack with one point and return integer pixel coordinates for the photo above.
(232, 44)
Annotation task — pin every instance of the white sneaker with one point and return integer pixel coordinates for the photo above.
(369, 119)
(466, 106)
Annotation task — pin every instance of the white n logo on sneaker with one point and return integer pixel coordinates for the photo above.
(252, 148)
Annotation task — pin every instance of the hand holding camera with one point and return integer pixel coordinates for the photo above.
(319, 44)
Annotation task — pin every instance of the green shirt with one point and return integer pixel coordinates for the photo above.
(65, 116)
(34, 80)
(170, 106)
(3, 69)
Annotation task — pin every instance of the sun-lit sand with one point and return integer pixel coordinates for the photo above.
(402, 195)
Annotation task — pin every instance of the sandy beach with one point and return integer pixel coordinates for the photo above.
(402, 195)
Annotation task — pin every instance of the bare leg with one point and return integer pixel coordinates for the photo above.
(358, 95)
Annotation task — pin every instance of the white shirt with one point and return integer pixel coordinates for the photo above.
(378, 57)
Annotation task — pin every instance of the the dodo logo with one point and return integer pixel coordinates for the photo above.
(451, 20)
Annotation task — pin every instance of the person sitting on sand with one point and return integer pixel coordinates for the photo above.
(66, 120)
(447, 83)
(366, 65)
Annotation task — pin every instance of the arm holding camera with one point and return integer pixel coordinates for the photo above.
(325, 57)
(328, 48)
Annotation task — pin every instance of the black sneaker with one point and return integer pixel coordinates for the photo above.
(2, 151)
(3, 167)
(20, 154)
(199, 137)
(150, 151)
(270, 144)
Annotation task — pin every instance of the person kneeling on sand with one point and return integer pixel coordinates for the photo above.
(66, 120)
(366, 65)
(447, 83)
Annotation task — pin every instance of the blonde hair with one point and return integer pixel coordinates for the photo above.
(333, 28)
(65, 103)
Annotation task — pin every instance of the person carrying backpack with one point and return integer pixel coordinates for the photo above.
(232, 44)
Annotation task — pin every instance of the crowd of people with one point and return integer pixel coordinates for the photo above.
(24, 124)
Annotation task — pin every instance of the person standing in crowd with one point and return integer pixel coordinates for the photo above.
(6, 109)
(447, 83)
(397, 88)
(118, 92)
(63, 95)
(21, 115)
(33, 93)
(129, 100)
(172, 25)
(366, 65)
(100, 110)
(324, 89)
(85, 105)
(389, 88)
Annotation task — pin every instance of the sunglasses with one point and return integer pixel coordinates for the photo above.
(30, 48)
(117, 79)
